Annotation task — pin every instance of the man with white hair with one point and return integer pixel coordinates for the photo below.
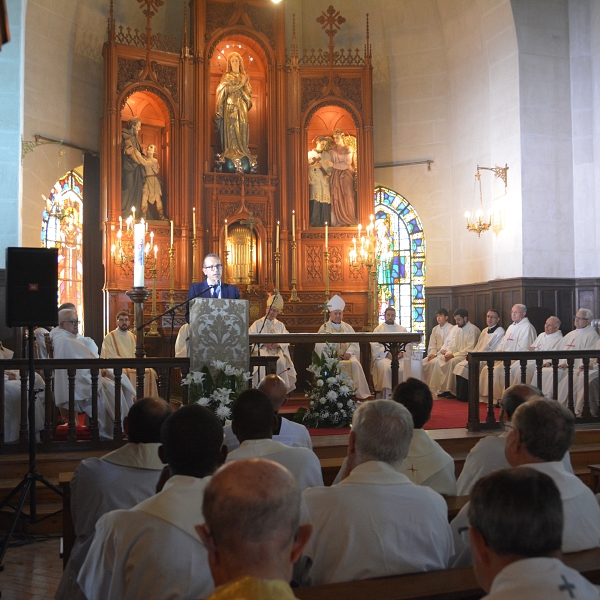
(66, 344)
(515, 524)
(541, 432)
(583, 337)
(439, 373)
(403, 526)
(381, 369)
(349, 352)
(518, 338)
(489, 340)
(549, 339)
(270, 325)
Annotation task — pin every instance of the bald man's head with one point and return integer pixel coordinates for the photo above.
(274, 387)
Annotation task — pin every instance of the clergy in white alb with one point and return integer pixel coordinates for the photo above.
(269, 325)
(439, 334)
(583, 337)
(488, 453)
(118, 480)
(376, 522)
(120, 343)
(519, 337)
(381, 366)
(153, 550)
(489, 340)
(550, 339)
(66, 344)
(440, 371)
(252, 422)
(287, 432)
(578, 384)
(516, 520)
(349, 352)
(541, 433)
(182, 343)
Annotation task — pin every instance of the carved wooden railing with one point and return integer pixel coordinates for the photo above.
(163, 367)
(475, 359)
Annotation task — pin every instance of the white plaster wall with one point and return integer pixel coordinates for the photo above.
(11, 126)
(547, 162)
(595, 127)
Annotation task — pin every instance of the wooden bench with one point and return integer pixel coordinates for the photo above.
(449, 584)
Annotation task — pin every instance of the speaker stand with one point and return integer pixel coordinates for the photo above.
(27, 485)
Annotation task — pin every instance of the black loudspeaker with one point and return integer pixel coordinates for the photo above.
(31, 287)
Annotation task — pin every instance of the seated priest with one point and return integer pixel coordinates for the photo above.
(519, 337)
(515, 526)
(120, 343)
(270, 324)
(439, 373)
(583, 337)
(348, 352)
(439, 334)
(489, 340)
(549, 339)
(182, 343)
(376, 522)
(66, 344)
(381, 369)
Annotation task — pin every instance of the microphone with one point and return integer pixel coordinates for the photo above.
(284, 371)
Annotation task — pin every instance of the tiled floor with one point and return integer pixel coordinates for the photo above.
(31, 571)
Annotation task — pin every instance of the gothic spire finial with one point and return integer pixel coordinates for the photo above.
(294, 43)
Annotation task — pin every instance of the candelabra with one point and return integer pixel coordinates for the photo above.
(277, 264)
(494, 221)
(194, 246)
(152, 265)
(294, 297)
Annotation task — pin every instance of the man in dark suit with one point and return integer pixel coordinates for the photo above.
(212, 286)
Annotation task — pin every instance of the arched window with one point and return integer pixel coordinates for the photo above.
(401, 275)
(62, 228)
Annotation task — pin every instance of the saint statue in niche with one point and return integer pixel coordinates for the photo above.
(320, 166)
(133, 173)
(152, 191)
(233, 101)
(341, 182)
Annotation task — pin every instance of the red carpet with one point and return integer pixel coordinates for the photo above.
(446, 414)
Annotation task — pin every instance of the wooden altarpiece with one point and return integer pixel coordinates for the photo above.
(171, 87)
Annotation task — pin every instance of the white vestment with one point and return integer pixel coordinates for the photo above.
(182, 343)
(427, 364)
(283, 352)
(121, 344)
(426, 463)
(541, 578)
(374, 523)
(518, 338)
(438, 337)
(487, 455)
(352, 367)
(68, 345)
(120, 479)
(487, 342)
(439, 373)
(542, 343)
(12, 406)
(585, 338)
(290, 433)
(40, 340)
(152, 550)
(381, 366)
(581, 528)
(578, 382)
(301, 462)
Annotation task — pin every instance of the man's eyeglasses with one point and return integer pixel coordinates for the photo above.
(73, 322)
(213, 267)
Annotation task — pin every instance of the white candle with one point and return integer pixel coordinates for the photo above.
(326, 236)
(133, 213)
(171, 234)
(120, 222)
(155, 251)
(293, 225)
(277, 238)
(194, 221)
(226, 232)
(138, 259)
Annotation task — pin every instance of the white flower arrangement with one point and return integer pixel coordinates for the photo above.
(331, 403)
(218, 393)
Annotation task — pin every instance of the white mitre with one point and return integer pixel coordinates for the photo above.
(336, 303)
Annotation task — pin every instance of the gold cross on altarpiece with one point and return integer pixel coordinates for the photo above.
(331, 21)
(151, 8)
(251, 222)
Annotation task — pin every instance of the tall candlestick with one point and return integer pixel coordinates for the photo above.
(171, 234)
(194, 221)
(139, 232)
(120, 222)
(277, 238)
(226, 232)
(293, 226)
(326, 236)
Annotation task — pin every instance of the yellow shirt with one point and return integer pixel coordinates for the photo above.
(250, 588)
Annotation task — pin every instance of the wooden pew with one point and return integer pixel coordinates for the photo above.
(449, 584)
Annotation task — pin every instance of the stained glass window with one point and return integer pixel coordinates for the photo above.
(62, 223)
(401, 276)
